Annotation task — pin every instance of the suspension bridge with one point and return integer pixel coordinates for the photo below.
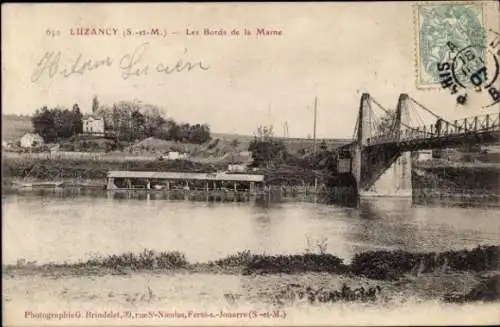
(379, 158)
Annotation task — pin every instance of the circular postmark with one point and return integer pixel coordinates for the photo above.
(472, 68)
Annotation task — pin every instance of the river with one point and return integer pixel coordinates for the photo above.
(66, 226)
(71, 226)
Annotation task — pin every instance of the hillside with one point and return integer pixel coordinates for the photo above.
(292, 144)
(13, 127)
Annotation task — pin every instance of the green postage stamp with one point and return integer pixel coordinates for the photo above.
(437, 25)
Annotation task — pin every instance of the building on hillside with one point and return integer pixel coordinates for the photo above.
(237, 167)
(31, 140)
(55, 148)
(174, 155)
(93, 125)
(245, 154)
(424, 155)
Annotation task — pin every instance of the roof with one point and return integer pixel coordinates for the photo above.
(87, 117)
(192, 176)
(34, 135)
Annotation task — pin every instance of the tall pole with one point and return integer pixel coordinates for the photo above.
(314, 143)
(269, 115)
(314, 128)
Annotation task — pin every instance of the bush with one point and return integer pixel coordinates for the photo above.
(50, 169)
(487, 290)
(295, 292)
(148, 259)
(240, 259)
(296, 263)
(387, 265)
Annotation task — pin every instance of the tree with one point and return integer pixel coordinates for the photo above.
(183, 135)
(235, 143)
(77, 120)
(43, 124)
(153, 121)
(266, 150)
(199, 134)
(95, 104)
(64, 123)
(57, 123)
(129, 120)
(323, 146)
(138, 122)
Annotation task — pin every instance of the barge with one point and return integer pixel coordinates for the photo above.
(209, 182)
(38, 184)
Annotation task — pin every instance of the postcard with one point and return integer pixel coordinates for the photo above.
(251, 163)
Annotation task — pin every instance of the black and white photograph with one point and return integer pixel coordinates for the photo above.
(286, 163)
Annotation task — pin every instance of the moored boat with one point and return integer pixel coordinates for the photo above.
(39, 184)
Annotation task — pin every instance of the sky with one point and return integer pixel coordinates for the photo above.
(334, 52)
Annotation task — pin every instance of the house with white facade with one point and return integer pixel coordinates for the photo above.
(424, 155)
(31, 140)
(174, 155)
(93, 125)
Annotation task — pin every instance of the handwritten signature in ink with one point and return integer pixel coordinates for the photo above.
(130, 65)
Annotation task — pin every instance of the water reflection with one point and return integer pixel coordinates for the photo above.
(262, 200)
(72, 225)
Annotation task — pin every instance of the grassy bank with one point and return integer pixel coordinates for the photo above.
(386, 265)
(452, 276)
(73, 170)
(427, 181)
(56, 169)
(458, 178)
(379, 265)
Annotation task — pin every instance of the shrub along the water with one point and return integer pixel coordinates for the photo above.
(393, 264)
(295, 263)
(261, 263)
(51, 169)
(240, 259)
(382, 265)
(148, 259)
(487, 290)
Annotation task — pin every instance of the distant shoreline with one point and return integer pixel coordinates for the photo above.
(452, 181)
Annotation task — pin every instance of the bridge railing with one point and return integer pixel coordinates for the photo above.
(466, 125)
(473, 124)
(389, 137)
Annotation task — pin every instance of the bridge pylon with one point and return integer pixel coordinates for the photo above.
(381, 169)
(362, 128)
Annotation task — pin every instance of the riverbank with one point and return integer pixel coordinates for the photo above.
(217, 299)
(372, 279)
(47, 169)
(75, 171)
(428, 182)
(378, 265)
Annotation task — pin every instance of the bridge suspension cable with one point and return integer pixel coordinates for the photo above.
(391, 112)
(431, 112)
(425, 108)
(388, 112)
